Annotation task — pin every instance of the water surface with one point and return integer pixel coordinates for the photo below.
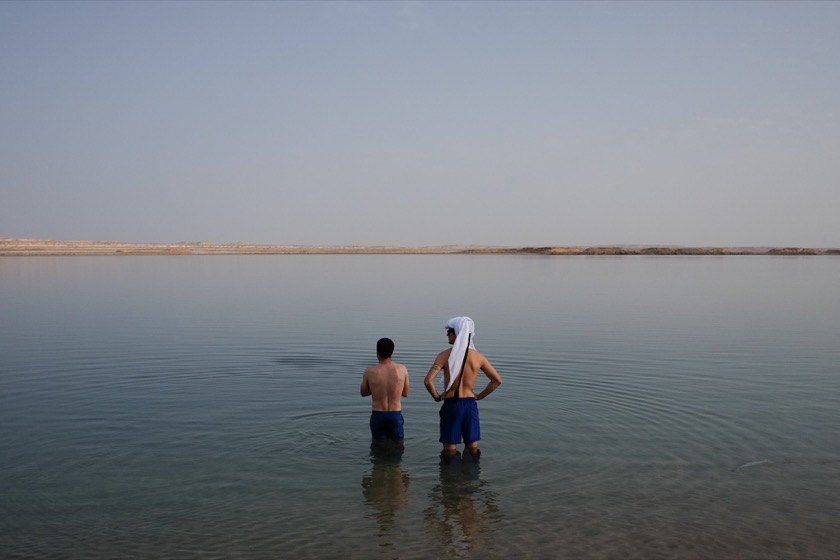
(652, 407)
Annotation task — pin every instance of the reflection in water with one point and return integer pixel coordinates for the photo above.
(385, 489)
(463, 509)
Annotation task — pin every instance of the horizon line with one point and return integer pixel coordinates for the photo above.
(49, 247)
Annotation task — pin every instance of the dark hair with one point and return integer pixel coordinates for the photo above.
(384, 347)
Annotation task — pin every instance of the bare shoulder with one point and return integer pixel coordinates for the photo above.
(371, 370)
(477, 356)
(483, 363)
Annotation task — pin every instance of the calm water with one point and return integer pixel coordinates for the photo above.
(652, 407)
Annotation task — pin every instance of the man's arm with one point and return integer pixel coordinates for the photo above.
(406, 389)
(493, 376)
(429, 382)
(365, 388)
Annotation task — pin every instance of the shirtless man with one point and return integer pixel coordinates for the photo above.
(460, 365)
(386, 382)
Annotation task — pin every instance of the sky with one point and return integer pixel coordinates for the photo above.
(422, 123)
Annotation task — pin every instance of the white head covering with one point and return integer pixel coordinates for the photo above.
(464, 328)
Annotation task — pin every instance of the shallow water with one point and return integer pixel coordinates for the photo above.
(652, 407)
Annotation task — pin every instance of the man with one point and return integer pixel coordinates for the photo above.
(460, 365)
(386, 382)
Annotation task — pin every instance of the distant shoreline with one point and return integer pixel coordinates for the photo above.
(36, 247)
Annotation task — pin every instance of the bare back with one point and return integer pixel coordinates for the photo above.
(476, 361)
(386, 382)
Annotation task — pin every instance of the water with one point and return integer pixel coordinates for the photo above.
(652, 407)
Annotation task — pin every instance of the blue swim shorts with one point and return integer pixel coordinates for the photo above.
(386, 425)
(459, 419)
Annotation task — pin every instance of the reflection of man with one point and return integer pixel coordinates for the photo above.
(385, 489)
(463, 512)
(386, 382)
(460, 365)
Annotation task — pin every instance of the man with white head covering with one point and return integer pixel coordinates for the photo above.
(460, 365)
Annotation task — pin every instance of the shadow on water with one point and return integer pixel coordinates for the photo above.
(385, 490)
(463, 509)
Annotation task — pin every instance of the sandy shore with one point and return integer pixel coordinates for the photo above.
(36, 247)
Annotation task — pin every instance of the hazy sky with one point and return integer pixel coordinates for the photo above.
(413, 123)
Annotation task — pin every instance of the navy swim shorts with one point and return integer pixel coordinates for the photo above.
(386, 425)
(459, 419)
